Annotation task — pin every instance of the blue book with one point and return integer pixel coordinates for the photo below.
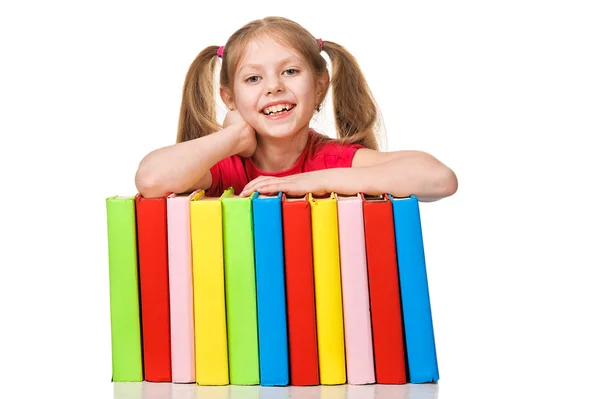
(414, 291)
(270, 290)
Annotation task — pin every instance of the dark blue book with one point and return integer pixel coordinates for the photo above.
(270, 290)
(414, 291)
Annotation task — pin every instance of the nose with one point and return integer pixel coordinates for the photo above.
(273, 85)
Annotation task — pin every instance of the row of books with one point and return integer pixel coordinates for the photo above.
(269, 290)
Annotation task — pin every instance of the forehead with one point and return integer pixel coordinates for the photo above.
(264, 52)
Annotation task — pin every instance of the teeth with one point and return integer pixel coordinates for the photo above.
(277, 108)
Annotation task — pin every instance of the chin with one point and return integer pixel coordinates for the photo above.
(276, 132)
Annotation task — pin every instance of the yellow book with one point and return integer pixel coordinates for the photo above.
(210, 330)
(328, 290)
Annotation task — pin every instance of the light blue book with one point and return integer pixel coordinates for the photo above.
(270, 290)
(416, 306)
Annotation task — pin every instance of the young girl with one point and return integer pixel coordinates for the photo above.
(273, 80)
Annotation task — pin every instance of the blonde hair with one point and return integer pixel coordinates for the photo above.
(357, 119)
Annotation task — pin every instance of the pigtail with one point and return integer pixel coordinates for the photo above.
(357, 118)
(198, 113)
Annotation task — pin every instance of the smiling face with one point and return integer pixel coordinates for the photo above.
(274, 89)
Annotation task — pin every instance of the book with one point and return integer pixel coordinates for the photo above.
(416, 306)
(355, 291)
(270, 290)
(300, 291)
(180, 288)
(151, 214)
(240, 289)
(328, 290)
(126, 345)
(384, 288)
(210, 327)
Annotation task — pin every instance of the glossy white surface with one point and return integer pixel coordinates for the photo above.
(146, 390)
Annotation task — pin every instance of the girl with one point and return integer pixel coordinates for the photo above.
(273, 79)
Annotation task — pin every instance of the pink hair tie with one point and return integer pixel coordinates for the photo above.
(320, 44)
(220, 51)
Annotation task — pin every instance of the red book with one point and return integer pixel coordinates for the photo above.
(151, 215)
(300, 291)
(382, 267)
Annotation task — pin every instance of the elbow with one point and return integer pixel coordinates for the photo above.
(446, 183)
(148, 184)
(443, 184)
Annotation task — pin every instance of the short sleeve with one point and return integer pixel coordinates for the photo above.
(340, 156)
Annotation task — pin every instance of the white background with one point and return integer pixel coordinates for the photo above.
(505, 93)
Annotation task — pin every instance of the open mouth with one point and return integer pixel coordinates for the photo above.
(279, 109)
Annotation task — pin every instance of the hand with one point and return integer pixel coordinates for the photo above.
(247, 142)
(294, 185)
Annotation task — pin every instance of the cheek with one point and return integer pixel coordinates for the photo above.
(245, 102)
(249, 115)
(307, 93)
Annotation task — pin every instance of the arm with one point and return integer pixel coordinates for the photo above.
(400, 173)
(184, 167)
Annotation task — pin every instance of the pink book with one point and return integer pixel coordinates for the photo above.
(355, 291)
(180, 288)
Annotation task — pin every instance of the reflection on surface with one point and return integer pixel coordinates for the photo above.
(149, 390)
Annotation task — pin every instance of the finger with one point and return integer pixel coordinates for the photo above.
(260, 178)
(273, 188)
(290, 187)
(249, 189)
(256, 181)
(254, 184)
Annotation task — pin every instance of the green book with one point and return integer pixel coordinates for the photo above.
(240, 289)
(124, 298)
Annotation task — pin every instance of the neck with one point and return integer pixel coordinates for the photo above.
(276, 154)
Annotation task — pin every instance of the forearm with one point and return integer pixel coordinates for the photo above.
(178, 167)
(422, 176)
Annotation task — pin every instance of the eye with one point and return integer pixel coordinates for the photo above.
(290, 71)
(252, 79)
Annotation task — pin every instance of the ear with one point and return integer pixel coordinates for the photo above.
(227, 97)
(322, 85)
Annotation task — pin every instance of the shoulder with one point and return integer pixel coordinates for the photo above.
(332, 153)
(336, 153)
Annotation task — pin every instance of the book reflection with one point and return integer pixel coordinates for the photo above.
(148, 390)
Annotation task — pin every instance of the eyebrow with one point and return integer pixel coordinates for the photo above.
(258, 66)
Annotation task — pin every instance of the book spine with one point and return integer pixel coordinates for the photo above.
(240, 289)
(180, 290)
(154, 287)
(126, 345)
(210, 327)
(418, 323)
(212, 363)
(386, 314)
(270, 292)
(300, 292)
(328, 292)
(355, 293)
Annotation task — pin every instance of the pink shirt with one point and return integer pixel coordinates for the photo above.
(236, 171)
